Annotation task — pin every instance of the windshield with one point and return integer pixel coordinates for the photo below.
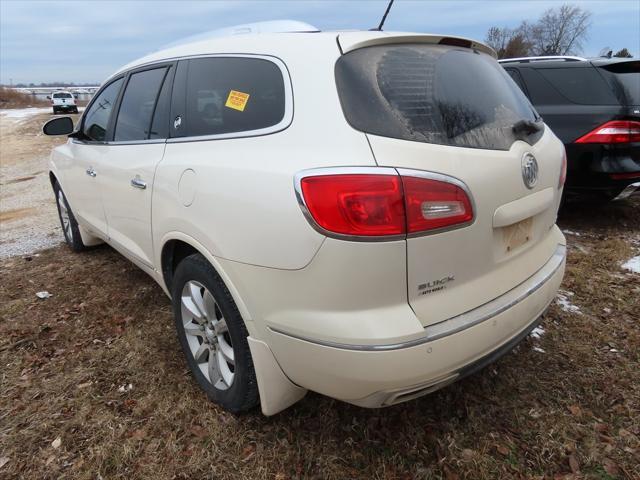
(61, 95)
(433, 93)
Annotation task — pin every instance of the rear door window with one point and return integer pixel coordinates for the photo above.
(431, 93)
(232, 94)
(138, 104)
(96, 119)
(160, 122)
(61, 95)
(581, 85)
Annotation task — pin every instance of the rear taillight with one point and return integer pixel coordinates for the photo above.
(433, 204)
(616, 131)
(356, 204)
(563, 170)
(385, 204)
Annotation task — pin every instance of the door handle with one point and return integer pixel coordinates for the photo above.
(137, 182)
(91, 172)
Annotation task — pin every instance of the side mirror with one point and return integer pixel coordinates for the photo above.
(48, 97)
(58, 126)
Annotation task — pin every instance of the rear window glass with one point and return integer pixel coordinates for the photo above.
(62, 95)
(227, 95)
(431, 93)
(624, 78)
(138, 103)
(582, 85)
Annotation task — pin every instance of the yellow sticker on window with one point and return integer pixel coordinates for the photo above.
(237, 100)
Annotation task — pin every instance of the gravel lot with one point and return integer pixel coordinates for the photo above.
(27, 212)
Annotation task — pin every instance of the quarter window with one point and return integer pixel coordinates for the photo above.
(138, 103)
(580, 85)
(227, 95)
(97, 117)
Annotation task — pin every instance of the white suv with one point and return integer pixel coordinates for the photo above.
(367, 215)
(63, 102)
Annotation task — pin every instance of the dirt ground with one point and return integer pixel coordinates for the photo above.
(93, 384)
(28, 218)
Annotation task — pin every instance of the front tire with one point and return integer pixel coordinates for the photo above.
(213, 335)
(68, 221)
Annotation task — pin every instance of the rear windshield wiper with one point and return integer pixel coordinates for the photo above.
(526, 127)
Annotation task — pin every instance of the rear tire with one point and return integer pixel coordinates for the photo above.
(213, 335)
(68, 222)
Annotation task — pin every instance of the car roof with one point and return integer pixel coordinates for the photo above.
(284, 37)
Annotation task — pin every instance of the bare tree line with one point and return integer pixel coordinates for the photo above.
(559, 31)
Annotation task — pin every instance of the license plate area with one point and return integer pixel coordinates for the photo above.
(517, 235)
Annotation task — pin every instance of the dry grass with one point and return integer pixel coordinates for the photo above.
(10, 98)
(571, 412)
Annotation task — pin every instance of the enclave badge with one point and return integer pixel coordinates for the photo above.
(529, 170)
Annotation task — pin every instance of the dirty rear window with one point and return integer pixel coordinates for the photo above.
(432, 93)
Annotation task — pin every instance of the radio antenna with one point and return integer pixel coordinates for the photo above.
(384, 17)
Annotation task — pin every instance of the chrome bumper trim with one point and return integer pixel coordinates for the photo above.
(465, 320)
(628, 191)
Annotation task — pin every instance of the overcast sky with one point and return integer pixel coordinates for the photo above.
(85, 41)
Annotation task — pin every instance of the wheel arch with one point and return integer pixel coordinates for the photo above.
(276, 390)
(177, 246)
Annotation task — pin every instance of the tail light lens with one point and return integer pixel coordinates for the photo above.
(383, 205)
(563, 170)
(433, 204)
(356, 204)
(618, 131)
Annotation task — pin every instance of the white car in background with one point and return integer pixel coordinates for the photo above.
(63, 102)
(368, 215)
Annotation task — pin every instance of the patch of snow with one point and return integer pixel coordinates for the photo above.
(633, 264)
(125, 388)
(538, 349)
(537, 332)
(563, 300)
(571, 232)
(20, 113)
(44, 294)
(606, 310)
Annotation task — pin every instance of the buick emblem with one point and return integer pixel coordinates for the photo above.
(529, 170)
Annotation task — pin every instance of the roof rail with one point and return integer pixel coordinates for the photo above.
(557, 58)
(273, 26)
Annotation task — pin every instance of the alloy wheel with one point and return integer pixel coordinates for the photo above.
(207, 335)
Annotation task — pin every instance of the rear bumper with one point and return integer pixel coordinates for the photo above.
(601, 169)
(629, 190)
(387, 373)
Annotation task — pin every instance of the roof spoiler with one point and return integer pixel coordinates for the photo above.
(355, 40)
